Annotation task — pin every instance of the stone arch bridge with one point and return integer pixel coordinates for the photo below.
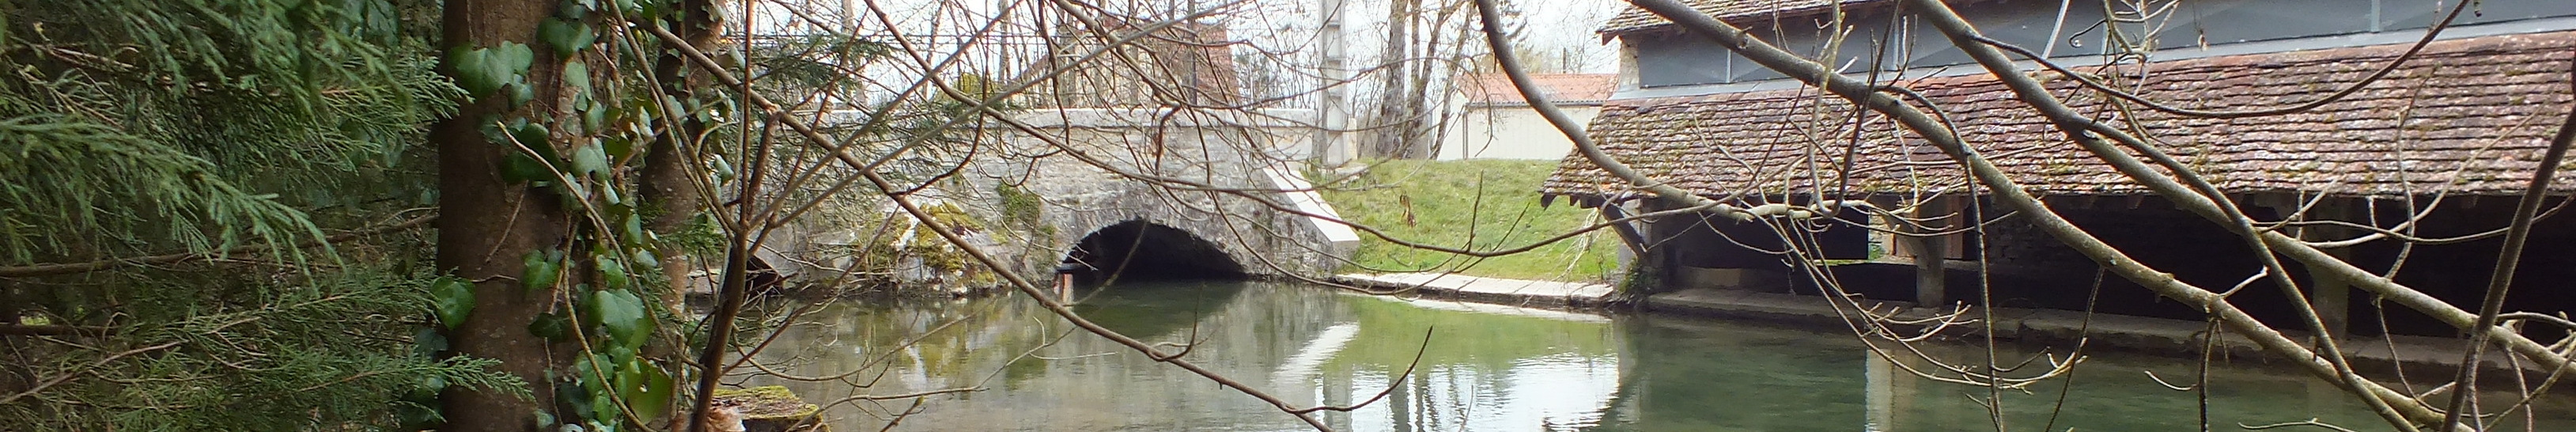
(1133, 192)
(1156, 193)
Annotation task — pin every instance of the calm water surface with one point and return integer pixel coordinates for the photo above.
(1486, 368)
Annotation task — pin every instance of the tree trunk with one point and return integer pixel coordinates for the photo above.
(1395, 114)
(669, 182)
(487, 224)
(670, 187)
(1419, 119)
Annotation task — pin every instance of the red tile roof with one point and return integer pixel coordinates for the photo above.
(1192, 60)
(1634, 19)
(2468, 116)
(1563, 89)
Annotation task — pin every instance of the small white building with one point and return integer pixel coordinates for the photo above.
(1496, 123)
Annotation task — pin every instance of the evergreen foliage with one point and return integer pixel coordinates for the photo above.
(327, 352)
(135, 128)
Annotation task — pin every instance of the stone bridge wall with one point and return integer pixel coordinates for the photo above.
(1233, 157)
(1034, 201)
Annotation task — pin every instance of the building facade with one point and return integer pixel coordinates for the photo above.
(1495, 122)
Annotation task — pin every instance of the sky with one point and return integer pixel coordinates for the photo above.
(1285, 29)
(1546, 25)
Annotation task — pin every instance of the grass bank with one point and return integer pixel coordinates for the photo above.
(1480, 205)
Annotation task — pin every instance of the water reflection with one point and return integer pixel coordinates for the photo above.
(1487, 368)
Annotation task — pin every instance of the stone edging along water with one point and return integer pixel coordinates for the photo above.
(1516, 292)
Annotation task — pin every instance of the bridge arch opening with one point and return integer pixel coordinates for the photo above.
(1140, 250)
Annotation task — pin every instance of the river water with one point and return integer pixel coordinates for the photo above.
(1485, 368)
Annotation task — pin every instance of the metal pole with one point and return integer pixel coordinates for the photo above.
(1329, 118)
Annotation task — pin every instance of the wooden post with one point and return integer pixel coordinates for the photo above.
(1930, 271)
(2333, 296)
(1064, 281)
(1654, 256)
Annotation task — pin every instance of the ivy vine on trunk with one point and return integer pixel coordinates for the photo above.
(543, 169)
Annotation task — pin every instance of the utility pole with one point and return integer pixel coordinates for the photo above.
(1330, 151)
(850, 16)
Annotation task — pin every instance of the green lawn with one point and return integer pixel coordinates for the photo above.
(1481, 205)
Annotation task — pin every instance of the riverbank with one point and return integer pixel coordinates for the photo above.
(1469, 204)
(2377, 355)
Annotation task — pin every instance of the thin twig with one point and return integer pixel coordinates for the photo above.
(2507, 259)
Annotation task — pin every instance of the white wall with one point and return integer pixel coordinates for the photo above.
(1511, 132)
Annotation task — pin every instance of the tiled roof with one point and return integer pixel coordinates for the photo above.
(2468, 116)
(1634, 19)
(1192, 60)
(1565, 89)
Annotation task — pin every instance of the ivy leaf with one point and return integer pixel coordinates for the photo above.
(516, 56)
(593, 116)
(417, 415)
(619, 148)
(541, 273)
(576, 392)
(573, 193)
(577, 75)
(552, 326)
(473, 71)
(483, 70)
(634, 226)
(453, 299)
(724, 170)
(641, 111)
(575, 9)
(537, 139)
(638, 8)
(530, 134)
(518, 167)
(427, 343)
(520, 93)
(612, 274)
(431, 384)
(566, 37)
(644, 259)
(621, 314)
(592, 371)
(609, 194)
(589, 160)
(647, 389)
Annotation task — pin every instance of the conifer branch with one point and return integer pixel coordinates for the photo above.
(56, 269)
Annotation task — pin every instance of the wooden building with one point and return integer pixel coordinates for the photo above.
(2447, 139)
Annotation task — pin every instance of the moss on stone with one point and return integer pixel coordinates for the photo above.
(772, 408)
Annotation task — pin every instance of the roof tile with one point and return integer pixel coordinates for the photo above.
(1568, 88)
(2429, 127)
(1635, 19)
